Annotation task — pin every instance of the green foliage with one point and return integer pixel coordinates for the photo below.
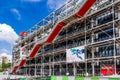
(5, 66)
(1, 70)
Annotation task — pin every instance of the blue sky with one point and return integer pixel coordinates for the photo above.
(21, 15)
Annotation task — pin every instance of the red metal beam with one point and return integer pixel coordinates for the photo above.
(55, 32)
(87, 5)
(15, 69)
(35, 50)
(22, 63)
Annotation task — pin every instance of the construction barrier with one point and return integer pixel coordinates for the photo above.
(78, 78)
(38, 78)
(51, 78)
(23, 79)
(70, 78)
(114, 78)
(94, 78)
(65, 78)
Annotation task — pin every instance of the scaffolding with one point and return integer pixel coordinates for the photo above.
(98, 31)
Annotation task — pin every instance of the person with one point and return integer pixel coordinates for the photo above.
(87, 74)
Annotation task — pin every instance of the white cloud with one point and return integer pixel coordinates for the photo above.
(4, 50)
(31, 0)
(7, 34)
(16, 13)
(53, 4)
(5, 54)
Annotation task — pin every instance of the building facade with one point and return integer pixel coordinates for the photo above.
(88, 46)
(5, 58)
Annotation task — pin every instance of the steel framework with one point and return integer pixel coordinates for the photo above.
(98, 31)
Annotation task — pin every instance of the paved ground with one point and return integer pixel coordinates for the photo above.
(4, 76)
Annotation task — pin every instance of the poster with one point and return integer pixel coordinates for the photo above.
(75, 54)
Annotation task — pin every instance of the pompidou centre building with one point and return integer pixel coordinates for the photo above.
(81, 38)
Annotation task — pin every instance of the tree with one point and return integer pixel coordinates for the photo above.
(5, 65)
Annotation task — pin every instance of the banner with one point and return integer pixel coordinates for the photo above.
(108, 70)
(22, 53)
(75, 54)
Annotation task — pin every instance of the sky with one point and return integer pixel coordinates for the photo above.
(21, 15)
